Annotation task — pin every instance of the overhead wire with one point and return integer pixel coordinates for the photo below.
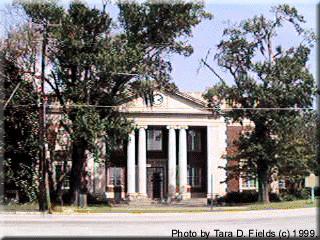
(173, 108)
(141, 74)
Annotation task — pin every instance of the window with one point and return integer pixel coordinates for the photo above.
(154, 140)
(247, 180)
(282, 184)
(229, 102)
(249, 183)
(194, 141)
(116, 176)
(194, 176)
(59, 171)
(62, 138)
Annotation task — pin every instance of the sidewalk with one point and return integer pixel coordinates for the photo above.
(159, 208)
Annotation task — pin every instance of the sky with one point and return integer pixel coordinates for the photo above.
(208, 34)
(186, 73)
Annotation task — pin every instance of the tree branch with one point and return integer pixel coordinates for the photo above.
(214, 72)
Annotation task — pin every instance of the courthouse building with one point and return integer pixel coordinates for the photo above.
(177, 151)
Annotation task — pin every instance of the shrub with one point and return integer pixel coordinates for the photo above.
(288, 197)
(241, 197)
(274, 197)
(252, 196)
(301, 194)
(304, 193)
(245, 197)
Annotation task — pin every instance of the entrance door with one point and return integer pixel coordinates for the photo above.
(155, 182)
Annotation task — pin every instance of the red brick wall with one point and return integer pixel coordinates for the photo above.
(233, 134)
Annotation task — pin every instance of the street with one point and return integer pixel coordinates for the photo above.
(213, 224)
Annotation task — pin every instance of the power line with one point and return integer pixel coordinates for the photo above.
(200, 108)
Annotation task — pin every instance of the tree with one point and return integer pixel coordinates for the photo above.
(21, 143)
(41, 18)
(96, 65)
(269, 84)
(297, 149)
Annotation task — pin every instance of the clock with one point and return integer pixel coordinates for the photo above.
(157, 99)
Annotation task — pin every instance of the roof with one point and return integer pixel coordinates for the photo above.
(195, 97)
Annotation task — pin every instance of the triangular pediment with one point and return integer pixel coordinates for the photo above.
(168, 102)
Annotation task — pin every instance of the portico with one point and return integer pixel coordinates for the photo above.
(175, 150)
(141, 178)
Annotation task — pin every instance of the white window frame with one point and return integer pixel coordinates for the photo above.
(282, 184)
(193, 170)
(112, 181)
(245, 182)
(191, 144)
(67, 177)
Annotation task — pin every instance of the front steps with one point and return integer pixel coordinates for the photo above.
(142, 202)
(192, 202)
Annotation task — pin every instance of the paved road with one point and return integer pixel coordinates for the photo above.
(159, 224)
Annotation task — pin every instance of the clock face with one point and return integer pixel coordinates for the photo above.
(157, 99)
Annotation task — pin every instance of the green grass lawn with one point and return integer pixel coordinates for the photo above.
(284, 205)
(14, 207)
(166, 208)
(162, 208)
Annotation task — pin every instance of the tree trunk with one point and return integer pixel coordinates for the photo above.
(48, 199)
(263, 187)
(78, 174)
(42, 196)
(42, 182)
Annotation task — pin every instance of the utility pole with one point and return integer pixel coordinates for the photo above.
(43, 203)
(44, 190)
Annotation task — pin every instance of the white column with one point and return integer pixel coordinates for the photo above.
(183, 161)
(222, 158)
(142, 162)
(131, 180)
(210, 159)
(171, 162)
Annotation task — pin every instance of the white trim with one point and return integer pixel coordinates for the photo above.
(241, 187)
